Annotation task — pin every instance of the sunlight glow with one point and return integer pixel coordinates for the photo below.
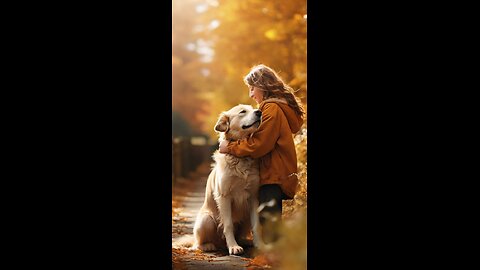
(201, 8)
(190, 46)
(204, 49)
(213, 24)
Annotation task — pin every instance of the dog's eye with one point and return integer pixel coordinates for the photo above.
(243, 111)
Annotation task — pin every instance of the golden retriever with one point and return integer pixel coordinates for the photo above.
(229, 212)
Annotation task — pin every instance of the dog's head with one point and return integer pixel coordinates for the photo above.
(238, 122)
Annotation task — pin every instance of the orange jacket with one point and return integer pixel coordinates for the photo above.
(273, 144)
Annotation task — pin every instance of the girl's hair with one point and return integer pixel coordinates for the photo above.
(272, 85)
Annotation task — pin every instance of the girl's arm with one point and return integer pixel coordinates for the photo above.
(263, 140)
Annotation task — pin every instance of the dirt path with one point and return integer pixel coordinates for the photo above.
(187, 198)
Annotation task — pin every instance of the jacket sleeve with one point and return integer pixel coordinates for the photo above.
(264, 139)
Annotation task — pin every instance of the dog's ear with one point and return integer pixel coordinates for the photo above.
(222, 124)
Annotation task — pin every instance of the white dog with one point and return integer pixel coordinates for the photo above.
(229, 212)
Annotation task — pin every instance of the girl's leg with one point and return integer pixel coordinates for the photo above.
(270, 198)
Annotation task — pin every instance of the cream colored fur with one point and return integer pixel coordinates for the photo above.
(229, 212)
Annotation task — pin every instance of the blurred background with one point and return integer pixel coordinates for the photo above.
(214, 45)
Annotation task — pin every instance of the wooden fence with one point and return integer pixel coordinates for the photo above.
(188, 153)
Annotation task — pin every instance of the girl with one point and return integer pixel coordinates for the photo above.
(272, 144)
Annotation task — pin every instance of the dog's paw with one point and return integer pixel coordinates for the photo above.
(235, 250)
(207, 247)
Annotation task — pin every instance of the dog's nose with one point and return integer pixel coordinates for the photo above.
(258, 113)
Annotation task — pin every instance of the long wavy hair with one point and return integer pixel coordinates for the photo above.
(272, 85)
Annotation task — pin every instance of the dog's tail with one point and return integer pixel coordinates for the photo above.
(185, 241)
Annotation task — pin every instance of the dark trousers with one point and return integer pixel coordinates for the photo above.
(271, 215)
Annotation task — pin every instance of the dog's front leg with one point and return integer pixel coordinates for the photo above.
(225, 208)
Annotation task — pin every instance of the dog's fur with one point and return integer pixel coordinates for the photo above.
(229, 212)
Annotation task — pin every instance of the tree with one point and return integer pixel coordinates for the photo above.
(250, 32)
(215, 43)
(186, 95)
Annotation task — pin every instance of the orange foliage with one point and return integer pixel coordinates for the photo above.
(216, 45)
(263, 261)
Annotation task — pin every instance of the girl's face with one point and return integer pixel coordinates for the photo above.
(256, 94)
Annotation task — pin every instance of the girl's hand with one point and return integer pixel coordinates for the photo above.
(222, 148)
